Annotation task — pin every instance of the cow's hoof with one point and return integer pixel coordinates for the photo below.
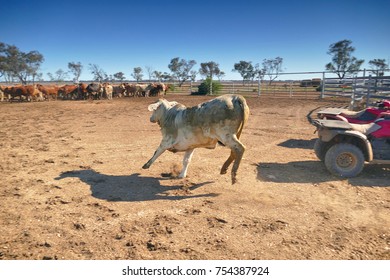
(146, 166)
(234, 179)
(223, 171)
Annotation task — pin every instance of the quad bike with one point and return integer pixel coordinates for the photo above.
(345, 147)
(365, 116)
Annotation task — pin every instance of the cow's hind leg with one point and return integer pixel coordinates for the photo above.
(186, 162)
(227, 163)
(237, 151)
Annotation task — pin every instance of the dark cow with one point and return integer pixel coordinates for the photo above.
(95, 90)
(184, 129)
(155, 89)
(137, 90)
(119, 90)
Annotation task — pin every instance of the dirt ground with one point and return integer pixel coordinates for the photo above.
(72, 187)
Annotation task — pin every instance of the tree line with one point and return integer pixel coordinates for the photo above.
(16, 65)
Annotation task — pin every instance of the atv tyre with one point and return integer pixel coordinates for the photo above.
(320, 149)
(344, 160)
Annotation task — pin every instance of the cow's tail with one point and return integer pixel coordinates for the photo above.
(244, 113)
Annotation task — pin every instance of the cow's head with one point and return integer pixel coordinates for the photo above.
(159, 108)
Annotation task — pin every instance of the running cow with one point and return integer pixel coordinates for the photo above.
(203, 126)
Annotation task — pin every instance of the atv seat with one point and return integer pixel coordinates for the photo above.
(353, 114)
(340, 111)
(366, 129)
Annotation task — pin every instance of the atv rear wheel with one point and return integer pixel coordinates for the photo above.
(344, 160)
(320, 149)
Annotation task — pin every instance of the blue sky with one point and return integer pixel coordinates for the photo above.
(121, 35)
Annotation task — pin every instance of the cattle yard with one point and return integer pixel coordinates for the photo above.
(87, 90)
(72, 187)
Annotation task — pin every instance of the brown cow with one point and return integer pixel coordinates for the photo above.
(7, 92)
(22, 92)
(49, 91)
(82, 91)
(68, 91)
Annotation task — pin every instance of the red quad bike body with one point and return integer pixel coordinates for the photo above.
(345, 147)
(366, 116)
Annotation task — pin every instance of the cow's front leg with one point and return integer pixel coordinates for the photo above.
(162, 148)
(186, 162)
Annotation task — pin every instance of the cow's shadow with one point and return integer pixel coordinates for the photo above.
(314, 172)
(133, 187)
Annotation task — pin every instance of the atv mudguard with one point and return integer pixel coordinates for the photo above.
(326, 135)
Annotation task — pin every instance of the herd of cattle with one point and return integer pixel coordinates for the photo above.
(79, 91)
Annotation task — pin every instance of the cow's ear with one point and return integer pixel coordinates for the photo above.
(154, 106)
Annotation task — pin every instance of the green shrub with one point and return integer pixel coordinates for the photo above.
(171, 87)
(204, 88)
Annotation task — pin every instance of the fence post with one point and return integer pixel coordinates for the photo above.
(353, 95)
(323, 86)
(368, 90)
(258, 87)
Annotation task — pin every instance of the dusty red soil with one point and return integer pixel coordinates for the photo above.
(72, 187)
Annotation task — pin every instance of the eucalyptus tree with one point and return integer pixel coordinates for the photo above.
(343, 62)
(181, 68)
(98, 73)
(209, 70)
(120, 76)
(378, 66)
(58, 76)
(150, 71)
(15, 64)
(246, 70)
(137, 74)
(75, 68)
(272, 68)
